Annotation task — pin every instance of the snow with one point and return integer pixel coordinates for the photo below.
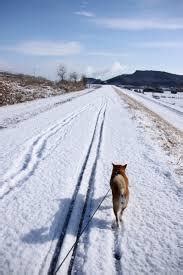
(172, 114)
(10, 115)
(175, 101)
(49, 160)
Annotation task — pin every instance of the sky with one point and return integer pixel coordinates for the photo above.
(98, 38)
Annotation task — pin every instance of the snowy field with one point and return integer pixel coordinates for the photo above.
(55, 166)
(173, 102)
(172, 113)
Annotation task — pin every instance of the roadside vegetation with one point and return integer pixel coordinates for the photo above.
(17, 88)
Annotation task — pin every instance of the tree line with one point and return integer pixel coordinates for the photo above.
(72, 77)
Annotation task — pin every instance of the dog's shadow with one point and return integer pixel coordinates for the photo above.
(46, 234)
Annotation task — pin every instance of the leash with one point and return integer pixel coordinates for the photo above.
(77, 240)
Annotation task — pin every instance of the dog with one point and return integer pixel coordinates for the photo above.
(120, 191)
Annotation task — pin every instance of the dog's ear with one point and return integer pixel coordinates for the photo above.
(113, 164)
(124, 166)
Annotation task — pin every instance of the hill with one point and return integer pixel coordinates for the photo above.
(148, 78)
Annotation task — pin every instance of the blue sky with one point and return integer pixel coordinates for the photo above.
(101, 38)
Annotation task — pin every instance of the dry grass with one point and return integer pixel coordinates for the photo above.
(17, 88)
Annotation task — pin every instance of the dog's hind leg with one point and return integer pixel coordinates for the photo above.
(116, 215)
(116, 209)
(121, 214)
(124, 202)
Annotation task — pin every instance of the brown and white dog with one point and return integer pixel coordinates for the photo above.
(120, 192)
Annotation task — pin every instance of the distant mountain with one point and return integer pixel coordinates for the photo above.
(148, 78)
(91, 80)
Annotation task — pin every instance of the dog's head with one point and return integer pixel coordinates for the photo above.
(118, 168)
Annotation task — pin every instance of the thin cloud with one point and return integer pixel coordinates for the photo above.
(107, 54)
(105, 73)
(139, 24)
(46, 48)
(84, 4)
(84, 13)
(160, 44)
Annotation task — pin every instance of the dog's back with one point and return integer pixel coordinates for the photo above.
(119, 185)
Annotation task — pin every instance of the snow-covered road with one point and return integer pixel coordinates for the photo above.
(55, 168)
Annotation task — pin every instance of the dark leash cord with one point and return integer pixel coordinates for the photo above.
(84, 228)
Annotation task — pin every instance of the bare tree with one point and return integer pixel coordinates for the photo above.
(73, 76)
(84, 80)
(61, 72)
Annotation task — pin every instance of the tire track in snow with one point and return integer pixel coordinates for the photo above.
(117, 233)
(88, 195)
(56, 254)
(25, 166)
(8, 122)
